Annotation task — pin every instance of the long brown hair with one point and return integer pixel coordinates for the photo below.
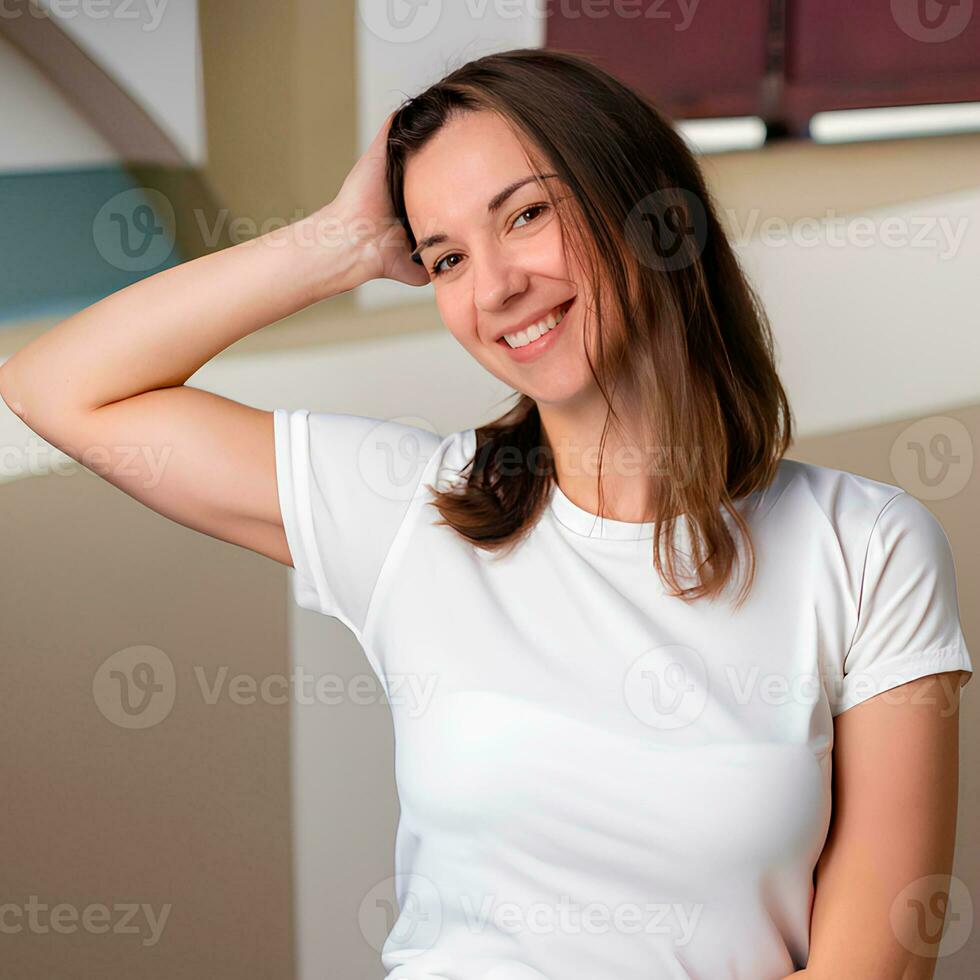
(688, 342)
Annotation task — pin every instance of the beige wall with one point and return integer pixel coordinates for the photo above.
(192, 812)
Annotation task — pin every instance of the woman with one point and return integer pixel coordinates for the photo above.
(623, 768)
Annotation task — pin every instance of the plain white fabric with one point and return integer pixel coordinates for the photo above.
(598, 780)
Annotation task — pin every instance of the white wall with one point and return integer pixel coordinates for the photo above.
(150, 47)
(41, 130)
(877, 319)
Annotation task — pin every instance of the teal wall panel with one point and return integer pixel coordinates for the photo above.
(69, 238)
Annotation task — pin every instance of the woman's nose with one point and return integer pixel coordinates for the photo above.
(497, 279)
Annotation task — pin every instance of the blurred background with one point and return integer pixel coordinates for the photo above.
(230, 810)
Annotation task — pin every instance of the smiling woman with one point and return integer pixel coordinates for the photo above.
(664, 342)
(611, 776)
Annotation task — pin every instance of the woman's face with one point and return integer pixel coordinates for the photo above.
(500, 265)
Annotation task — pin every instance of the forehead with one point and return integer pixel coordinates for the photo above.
(457, 172)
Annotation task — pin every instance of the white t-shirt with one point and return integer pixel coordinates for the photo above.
(598, 780)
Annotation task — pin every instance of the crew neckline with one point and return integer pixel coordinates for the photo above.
(583, 522)
(591, 525)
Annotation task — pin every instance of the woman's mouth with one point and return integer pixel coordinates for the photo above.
(538, 338)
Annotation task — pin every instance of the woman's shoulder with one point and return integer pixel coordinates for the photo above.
(848, 502)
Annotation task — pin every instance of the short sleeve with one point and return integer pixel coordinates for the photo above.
(908, 623)
(345, 484)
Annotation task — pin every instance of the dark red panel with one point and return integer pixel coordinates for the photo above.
(850, 54)
(888, 42)
(708, 64)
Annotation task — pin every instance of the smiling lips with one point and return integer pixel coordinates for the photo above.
(537, 335)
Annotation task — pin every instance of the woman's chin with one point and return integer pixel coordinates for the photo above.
(557, 388)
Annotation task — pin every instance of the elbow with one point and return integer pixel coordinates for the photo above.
(9, 393)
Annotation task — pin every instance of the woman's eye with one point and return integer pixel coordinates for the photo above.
(436, 269)
(534, 207)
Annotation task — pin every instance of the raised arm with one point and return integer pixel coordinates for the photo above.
(107, 385)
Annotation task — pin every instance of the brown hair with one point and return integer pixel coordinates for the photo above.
(689, 341)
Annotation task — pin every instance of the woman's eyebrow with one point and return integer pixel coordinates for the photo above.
(493, 205)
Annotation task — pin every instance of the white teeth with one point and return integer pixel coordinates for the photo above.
(524, 337)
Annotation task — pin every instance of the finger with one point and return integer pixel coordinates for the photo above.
(381, 137)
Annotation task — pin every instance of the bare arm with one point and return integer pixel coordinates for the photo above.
(107, 385)
(884, 869)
